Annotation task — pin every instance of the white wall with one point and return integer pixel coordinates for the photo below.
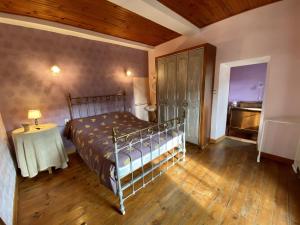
(273, 31)
(8, 179)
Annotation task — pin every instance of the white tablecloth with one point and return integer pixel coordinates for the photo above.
(37, 150)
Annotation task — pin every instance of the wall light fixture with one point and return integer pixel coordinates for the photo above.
(128, 73)
(55, 70)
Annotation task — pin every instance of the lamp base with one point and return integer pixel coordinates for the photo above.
(36, 122)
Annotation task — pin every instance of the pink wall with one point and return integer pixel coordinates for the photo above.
(272, 31)
(87, 68)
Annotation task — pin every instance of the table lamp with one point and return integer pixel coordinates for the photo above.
(35, 114)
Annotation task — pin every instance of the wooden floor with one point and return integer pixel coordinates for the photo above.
(221, 185)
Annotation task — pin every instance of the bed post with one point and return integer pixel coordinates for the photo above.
(119, 186)
(183, 140)
(70, 105)
(124, 101)
(182, 120)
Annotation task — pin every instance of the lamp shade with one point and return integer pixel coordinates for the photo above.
(34, 114)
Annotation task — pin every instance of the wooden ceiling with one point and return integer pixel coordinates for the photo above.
(95, 15)
(204, 12)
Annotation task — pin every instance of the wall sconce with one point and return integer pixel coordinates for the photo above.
(55, 70)
(128, 73)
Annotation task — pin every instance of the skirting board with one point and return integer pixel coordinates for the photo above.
(277, 158)
(214, 141)
(70, 150)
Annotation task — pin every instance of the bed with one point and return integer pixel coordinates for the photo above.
(115, 144)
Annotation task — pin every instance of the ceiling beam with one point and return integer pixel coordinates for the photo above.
(158, 13)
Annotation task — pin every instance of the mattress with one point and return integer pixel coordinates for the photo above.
(93, 139)
(149, 156)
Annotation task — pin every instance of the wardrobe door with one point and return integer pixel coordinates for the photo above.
(161, 89)
(171, 87)
(195, 70)
(181, 79)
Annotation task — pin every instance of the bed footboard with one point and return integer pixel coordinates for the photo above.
(163, 154)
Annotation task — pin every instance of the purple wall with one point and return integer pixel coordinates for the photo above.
(87, 68)
(247, 82)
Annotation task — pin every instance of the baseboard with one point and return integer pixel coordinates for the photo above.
(70, 150)
(214, 141)
(16, 202)
(242, 139)
(277, 158)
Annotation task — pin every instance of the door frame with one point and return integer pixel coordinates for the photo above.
(221, 93)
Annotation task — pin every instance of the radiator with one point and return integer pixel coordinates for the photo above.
(280, 137)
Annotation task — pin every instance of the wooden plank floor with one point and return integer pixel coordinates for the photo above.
(221, 185)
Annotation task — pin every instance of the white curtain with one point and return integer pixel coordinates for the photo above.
(296, 164)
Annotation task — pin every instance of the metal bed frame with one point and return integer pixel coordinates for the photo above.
(90, 105)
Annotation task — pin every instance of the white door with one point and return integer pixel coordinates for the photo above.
(140, 93)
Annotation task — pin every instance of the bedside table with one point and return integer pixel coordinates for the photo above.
(39, 149)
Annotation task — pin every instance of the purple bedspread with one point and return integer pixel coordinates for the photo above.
(92, 137)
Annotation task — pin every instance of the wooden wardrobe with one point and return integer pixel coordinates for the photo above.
(185, 87)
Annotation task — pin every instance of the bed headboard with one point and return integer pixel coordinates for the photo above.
(80, 107)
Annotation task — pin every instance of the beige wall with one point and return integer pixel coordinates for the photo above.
(272, 30)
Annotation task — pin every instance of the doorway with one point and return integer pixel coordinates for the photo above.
(245, 99)
(221, 96)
